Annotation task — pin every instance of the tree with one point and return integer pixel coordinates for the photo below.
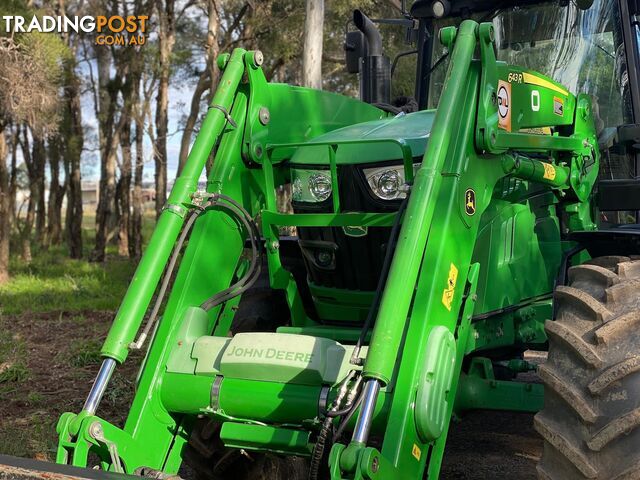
(56, 194)
(312, 49)
(208, 76)
(73, 134)
(124, 184)
(28, 94)
(71, 141)
(5, 213)
(166, 41)
(107, 91)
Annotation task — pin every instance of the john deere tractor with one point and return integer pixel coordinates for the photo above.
(436, 239)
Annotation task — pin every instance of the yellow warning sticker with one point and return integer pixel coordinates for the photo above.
(447, 295)
(536, 130)
(549, 171)
(416, 452)
(558, 106)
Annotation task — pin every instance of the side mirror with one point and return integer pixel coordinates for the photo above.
(355, 47)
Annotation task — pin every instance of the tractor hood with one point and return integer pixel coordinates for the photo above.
(375, 141)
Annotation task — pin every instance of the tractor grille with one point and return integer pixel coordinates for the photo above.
(338, 260)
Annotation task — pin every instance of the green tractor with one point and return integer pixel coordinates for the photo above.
(435, 241)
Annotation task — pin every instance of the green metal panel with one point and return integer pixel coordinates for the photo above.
(432, 413)
(265, 438)
(479, 389)
(412, 128)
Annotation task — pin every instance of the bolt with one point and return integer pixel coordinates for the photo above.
(95, 430)
(258, 58)
(375, 464)
(258, 150)
(264, 115)
(275, 245)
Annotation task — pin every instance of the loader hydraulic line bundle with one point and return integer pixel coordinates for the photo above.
(427, 249)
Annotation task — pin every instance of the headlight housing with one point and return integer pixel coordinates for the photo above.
(310, 186)
(387, 183)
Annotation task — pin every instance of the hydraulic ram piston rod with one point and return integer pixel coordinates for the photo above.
(99, 386)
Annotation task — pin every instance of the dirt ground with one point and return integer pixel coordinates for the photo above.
(47, 364)
(492, 445)
(48, 361)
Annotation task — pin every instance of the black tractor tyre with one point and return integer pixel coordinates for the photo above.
(261, 309)
(209, 459)
(590, 422)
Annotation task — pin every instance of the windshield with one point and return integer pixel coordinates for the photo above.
(583, 50)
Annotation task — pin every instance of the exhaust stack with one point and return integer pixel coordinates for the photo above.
(375, 68)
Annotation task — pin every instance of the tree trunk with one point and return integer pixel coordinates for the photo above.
(105, 212)
(27, 227)
(312, 52)
(56, 195)
(135, 229)
(38, 181)
(73, 135)
(5, 225)
(125, 189)
(213, 46)
(71, 147)
(166, 40)
(194, 111)
(13, 179)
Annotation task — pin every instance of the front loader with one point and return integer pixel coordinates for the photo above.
(427, 246)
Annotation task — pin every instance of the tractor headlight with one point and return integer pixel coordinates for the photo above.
(311, 186)
(387, 182)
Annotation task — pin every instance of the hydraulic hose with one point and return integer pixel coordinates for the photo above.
(335, 411)
(255, 266)
(246, 282)
(167, 277)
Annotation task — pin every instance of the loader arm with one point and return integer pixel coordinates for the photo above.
(271, 392)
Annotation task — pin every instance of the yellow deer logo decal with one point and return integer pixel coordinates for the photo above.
(470, 201)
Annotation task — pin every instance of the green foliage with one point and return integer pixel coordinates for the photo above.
(32, 73)
(14, 373)
(13, 368)
(53, 282)
(34, 441)
(83, 353)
